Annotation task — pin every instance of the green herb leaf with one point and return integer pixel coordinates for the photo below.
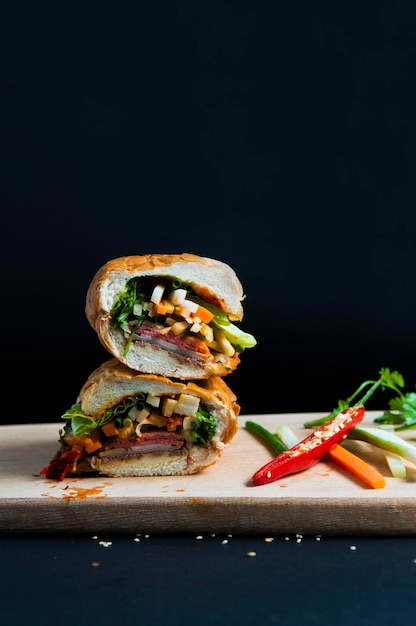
(123, 307)
(238, 338)
(206, 429)
(387, 380)
(401, 413)
(82, 424)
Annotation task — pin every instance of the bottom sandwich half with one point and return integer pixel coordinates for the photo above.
(130, 424)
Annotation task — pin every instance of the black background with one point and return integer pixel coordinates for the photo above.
(277, 137)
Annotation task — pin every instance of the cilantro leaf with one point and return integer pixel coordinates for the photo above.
(206, 428)
(401, 413)
(402, 407)
(123, 307)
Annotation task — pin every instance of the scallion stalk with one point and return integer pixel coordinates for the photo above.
(286, 435)
(394, 461)
(396, 465)
(385, 440)
(265, 435)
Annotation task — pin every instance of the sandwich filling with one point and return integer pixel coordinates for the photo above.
(170, 315)
(141, 424)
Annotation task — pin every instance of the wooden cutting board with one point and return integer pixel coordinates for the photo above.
(321, 500)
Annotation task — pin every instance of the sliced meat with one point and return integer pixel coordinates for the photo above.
(184, 345)
(149, 442)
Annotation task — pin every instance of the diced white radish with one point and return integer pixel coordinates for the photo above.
(133, 412)
(142, 414)
(190, 306)
(153, 400)
(137, 308)
(177, 296)
(157, 294)
(168, 407)
(187, 404)
(185, 313)
(195, 328)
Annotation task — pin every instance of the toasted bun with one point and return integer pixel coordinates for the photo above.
(113, 382)
(212, 280)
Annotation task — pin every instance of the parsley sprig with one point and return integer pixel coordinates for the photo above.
(388, 379)
(401, 413)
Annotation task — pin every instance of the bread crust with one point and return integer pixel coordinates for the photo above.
(210, 278)
(112, 382)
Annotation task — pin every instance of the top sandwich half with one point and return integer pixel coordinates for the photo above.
(169, 314)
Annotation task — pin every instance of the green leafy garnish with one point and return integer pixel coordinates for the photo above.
(401, 413)
(206, 429)
(238, 338)
(139, 291)
(387, 380)
(123, 307)
(82, 424)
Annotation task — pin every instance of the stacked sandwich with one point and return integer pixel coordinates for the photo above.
(160, 405)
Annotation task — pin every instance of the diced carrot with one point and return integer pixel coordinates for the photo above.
(172, 422)
(91, 445)
(109, 429)
(163, 307)
(204, 315)
(358, 467)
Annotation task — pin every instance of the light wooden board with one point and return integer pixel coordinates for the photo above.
(321, 500)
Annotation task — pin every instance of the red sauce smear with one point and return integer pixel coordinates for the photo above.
(80, 493)
(77, 493)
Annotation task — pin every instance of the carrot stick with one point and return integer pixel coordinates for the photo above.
(357, 466)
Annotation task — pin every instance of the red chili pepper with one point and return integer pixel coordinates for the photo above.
(311, 449)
